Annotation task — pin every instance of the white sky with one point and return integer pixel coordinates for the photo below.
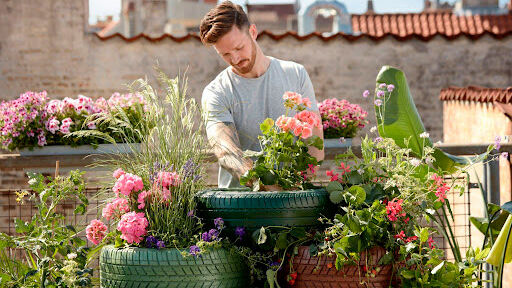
(102, 8)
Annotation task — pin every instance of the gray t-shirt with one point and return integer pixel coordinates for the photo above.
(246, 102)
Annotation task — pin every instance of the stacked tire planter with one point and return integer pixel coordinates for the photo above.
(142, 267)
(252, 210)
(321, 272)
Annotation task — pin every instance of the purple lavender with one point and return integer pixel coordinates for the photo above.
(274, 265)
(160, 244)
(190, 213)
(194, 250)
(240, 232)
(150, 241)
(206, 237)
(219, 223)
(189, 168)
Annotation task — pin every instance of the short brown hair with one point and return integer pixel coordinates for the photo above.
(219, 21)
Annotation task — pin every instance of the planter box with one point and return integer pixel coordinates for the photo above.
(142, 267)
(348, 276)
(240, 207)
(335, 143)
(78, 150)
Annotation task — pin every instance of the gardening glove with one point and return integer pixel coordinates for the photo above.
(494, 257)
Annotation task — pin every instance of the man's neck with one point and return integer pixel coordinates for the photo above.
(260, 67)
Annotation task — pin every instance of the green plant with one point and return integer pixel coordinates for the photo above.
(284, 159)
(55, 255)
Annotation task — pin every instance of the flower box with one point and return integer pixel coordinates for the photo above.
(337, 143)
(79, 150)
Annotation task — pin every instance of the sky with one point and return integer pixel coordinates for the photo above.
(102, 8)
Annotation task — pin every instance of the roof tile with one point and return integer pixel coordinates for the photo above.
(477, 94)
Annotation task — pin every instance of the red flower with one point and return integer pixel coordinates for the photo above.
(410, 239)
(431, 243)
(400, 235)
(334, 176)
(345, 169)
(394, 209)
(292, 277)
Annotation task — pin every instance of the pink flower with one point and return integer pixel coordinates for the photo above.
(168, 179)
(400, 235)
(115, 209)
(366, 93)
(64, 128)
(292, 99)
(128, 183)
(440, 187)
(41, 139)
(132, 226)
(118, 173)
(306, 132)
(91, 125)
(52, 125)
(141, 198)
(309, 117)
(286, 123)
(96, 231)
(306, 102)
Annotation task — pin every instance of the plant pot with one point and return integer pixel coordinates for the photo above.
(78, 150)
(336, 143)
(239, 207)
(142, 267)
(314, 273)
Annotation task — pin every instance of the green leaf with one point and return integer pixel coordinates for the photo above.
(423, 235)
(80, 209)
(336, 197)
(354, 178)
(408, 274)
(268, 178)
(282, 241)
(250, 153)
(358, 195)
(298, 232)
(266, 126)
(21, 226)
(434, 271)
(398, 118)
(262, 238)
(334, 186)
(316, 142)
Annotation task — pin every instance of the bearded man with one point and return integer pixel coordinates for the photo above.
(245, 93)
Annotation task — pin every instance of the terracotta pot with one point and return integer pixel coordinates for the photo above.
(349, 276)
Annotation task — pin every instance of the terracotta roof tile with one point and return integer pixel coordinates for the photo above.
(477, 94)
(423, 26)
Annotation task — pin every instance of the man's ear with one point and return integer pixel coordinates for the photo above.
(253, 31)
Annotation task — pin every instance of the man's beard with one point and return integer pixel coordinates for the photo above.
(252, 61)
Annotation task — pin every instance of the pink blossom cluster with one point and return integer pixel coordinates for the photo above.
(132, 226)
(296, 101)
(96, 231)
(115, 208)
(128, 183)
(301, 125)
(22, 118)
(33, 119)
(394, 209)
(402, 237)
(340, 115)
(338, 176)
(441, 187)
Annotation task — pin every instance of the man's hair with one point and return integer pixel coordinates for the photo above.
(220, 20)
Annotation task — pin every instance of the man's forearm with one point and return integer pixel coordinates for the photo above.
(226, 146)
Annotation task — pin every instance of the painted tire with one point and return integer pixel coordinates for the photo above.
(239, 207)
(142, 267)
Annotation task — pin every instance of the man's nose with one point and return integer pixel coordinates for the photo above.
(235, 58)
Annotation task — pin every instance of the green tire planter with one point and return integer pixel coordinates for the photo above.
(239, 207)
(142, 267)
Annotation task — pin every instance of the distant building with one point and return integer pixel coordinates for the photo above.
(479, 7)
(277, 17)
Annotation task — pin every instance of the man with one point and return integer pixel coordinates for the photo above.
(247, 92)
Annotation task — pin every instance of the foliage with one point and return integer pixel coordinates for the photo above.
(284, 159)
(55, 255)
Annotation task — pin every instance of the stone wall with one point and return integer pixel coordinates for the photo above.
(44, 45)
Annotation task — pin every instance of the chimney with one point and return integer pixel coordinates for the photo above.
(369, 9)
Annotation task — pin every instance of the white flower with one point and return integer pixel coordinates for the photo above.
(373, 129)
(32, 181)
(72, 256)
(424, 135)
(360, 171)
(415, 162)
(429, 160)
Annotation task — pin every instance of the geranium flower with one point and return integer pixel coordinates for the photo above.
(115, 209)
(96, 231)
(132, 227)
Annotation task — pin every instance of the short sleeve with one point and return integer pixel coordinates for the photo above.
(215, 108)
(307, 88)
